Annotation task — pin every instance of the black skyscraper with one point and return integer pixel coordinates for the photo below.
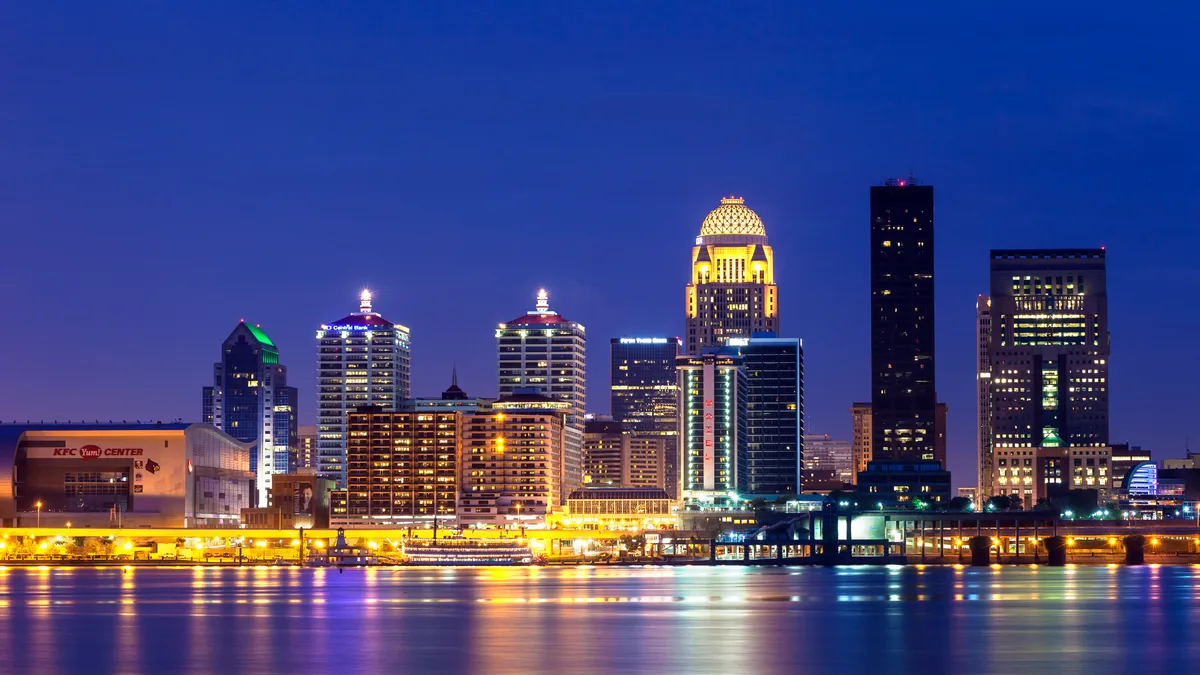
(903, 394)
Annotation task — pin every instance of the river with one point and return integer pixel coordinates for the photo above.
(670, 620)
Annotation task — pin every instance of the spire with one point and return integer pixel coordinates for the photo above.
(453, 393)
(364, 302)
(543, 301)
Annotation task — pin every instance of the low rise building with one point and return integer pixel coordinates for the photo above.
(617, 459)
(127, 475)
(904, 483)
(619, 509)
(1033, 474)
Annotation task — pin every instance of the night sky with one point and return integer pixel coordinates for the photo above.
(167, 168)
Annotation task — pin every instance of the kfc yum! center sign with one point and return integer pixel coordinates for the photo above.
(86, 452)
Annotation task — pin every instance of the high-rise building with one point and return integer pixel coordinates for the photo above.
(712, 426)
(645, 394)
(771, 461)
(983, 380)
(828, 464)
(732, 293)
(612, 457)
(861, 435)
(1048, 351)
(402, 467)
(513, 461)
(364, 360)
(251, 401)
(903, 390)
(542, 350)
(307, 442)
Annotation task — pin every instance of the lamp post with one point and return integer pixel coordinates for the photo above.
(520, 522)
(39, 512)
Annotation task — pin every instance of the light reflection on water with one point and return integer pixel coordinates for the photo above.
(599, 620)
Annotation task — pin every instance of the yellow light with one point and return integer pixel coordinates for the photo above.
(320, 544)
(295, 542)
(499, 417)
(3, 546)
(1154, 541)
(1112, 541)
(373, 544)
(1071, 542)
(262, 543)
(995, 541)
(38, 504)
(43, 546)
(128, 545)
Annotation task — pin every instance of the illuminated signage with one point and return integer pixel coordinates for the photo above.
(710, 395)
(345, 326)
(644, 341)
(96, 452)
(738, 342)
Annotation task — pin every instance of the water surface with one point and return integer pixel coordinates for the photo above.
(600, 620)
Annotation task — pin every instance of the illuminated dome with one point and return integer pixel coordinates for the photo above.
(733, 217)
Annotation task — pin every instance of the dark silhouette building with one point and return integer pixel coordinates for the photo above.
(903, 391)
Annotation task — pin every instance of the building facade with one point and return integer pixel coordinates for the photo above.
(904, 484)
(612, 457)
(903, 383)
(771, 461)
(402, 468)
(542, 350)
(306, 456)
(135, 475)
(732, 293)
(363, 359)
(645, 393)
(861, 435)
(1031, 474)
(983, 383)
(833, 459)
(513, 461)
(251, 401)
(1049, 349)
(939, 433)
(712, 427)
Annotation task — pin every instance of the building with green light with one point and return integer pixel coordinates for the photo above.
(251, 401)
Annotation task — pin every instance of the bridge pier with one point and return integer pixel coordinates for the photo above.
(1135, 549)
(1056, 551)
(981, 550)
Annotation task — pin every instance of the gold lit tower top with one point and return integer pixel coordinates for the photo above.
(732, 293)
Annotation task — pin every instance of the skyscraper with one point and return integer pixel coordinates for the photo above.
(828, 464)
(732, 292)
(364, 360)
(542, 350)
(983, 381)
(1048, 349)
(250, 400)
(645, 394)
(771, 461)
(712, 426)
(903, 391)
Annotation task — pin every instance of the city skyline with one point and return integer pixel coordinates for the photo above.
(1030, 146)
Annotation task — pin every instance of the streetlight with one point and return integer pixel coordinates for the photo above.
(38, 504)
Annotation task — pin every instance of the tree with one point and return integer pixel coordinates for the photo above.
(958, 504)
(999, 503)
(1043, 504)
